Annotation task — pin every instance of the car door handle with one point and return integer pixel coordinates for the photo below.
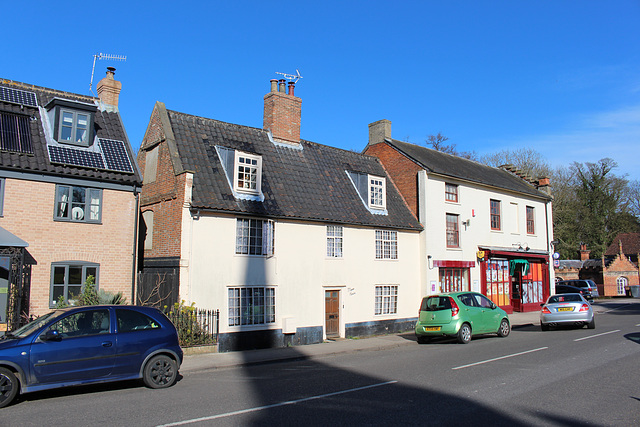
(107, 344)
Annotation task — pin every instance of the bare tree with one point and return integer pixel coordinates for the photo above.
(527, 160)
(437, 142)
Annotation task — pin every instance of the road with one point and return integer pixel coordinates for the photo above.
(562, 377)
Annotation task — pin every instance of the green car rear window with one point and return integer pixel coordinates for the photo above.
(435, 304)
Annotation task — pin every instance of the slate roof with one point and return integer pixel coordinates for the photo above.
(108, 125)
(309, 183)
(437, 162)
(630, 244)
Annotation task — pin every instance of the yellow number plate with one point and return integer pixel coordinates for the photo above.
(565, 309)
(432, 328)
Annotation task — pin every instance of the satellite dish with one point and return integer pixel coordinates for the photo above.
(77, 213)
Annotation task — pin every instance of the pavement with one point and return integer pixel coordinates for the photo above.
(212, 360)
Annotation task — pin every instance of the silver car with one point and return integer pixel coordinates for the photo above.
(566, 309)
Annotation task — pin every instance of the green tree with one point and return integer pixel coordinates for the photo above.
(601, 204)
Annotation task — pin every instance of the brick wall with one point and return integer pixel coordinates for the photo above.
(403, 171)
(164, 196)
(619, 267)
(28, 213)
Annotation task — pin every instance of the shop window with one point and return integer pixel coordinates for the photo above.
(454, 279)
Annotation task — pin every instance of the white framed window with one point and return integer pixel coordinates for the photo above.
(386, 244)
(377, 192)
(252, 306)
(386, 299)
(68, 279)
(78, 204)
(622, 283)
(247, 176)
(334, 241)
(255, 236)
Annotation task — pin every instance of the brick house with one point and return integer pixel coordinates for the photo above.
(68, 186)
(295, 242)
(620, 262)
(486, 229)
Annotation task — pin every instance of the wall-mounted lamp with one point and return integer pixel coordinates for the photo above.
(430, 262)
(466, 224)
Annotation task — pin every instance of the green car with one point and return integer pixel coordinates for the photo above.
(461, 315)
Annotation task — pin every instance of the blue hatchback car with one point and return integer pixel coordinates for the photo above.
(86, 345)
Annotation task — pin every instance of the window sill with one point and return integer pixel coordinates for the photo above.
(76, 222)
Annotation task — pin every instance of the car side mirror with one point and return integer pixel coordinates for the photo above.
(51, 335)
(542, 305)
(493, 306)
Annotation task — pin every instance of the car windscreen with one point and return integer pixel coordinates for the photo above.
(564, 298)
(36, 324)
(435, 303)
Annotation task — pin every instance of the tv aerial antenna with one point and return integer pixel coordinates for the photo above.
(291, 77)
(104, 56)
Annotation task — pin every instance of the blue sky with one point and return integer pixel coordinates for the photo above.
(561, 77)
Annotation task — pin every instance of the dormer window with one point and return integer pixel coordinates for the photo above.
(248, 171)
(72, 122)
(244, 173)
(74, 127)
(377, 192)
(372, 190)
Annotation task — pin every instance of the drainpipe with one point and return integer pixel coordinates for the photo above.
(136, 230)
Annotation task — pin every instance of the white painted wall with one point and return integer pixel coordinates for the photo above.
(299, 270)
(474, 205)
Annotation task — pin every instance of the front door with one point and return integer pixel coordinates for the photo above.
(332, 313)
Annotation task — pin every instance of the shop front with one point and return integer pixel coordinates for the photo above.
(514, 280)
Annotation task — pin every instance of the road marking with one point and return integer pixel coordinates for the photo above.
(275, 405)
(500, 358)
(597, 335)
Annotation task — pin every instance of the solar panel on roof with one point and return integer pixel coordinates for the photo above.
(15, 133)
(116, 156)
(72, 156)
(17, 96)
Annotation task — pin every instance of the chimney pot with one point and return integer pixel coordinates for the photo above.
(291, 88)
(282, 86)
(274, 85)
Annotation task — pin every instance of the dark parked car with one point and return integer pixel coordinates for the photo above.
(585, 284)
(85, 345)
(566, 289)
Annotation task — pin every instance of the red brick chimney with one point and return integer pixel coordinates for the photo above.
(584, 253)
(109, 88)
(282, 112)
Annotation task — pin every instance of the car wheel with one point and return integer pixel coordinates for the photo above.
(423, 339)
(504, 329)
(8, 387)
(160, 372)
(544, 327)
(592, 324)
(464, 334)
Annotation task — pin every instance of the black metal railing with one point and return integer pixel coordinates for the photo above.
(195, 326)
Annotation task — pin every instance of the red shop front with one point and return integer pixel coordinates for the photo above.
(514, 280)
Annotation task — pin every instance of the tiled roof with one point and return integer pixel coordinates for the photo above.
(437, 162)
(310, 183)
(107, 126)
(630, 244)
